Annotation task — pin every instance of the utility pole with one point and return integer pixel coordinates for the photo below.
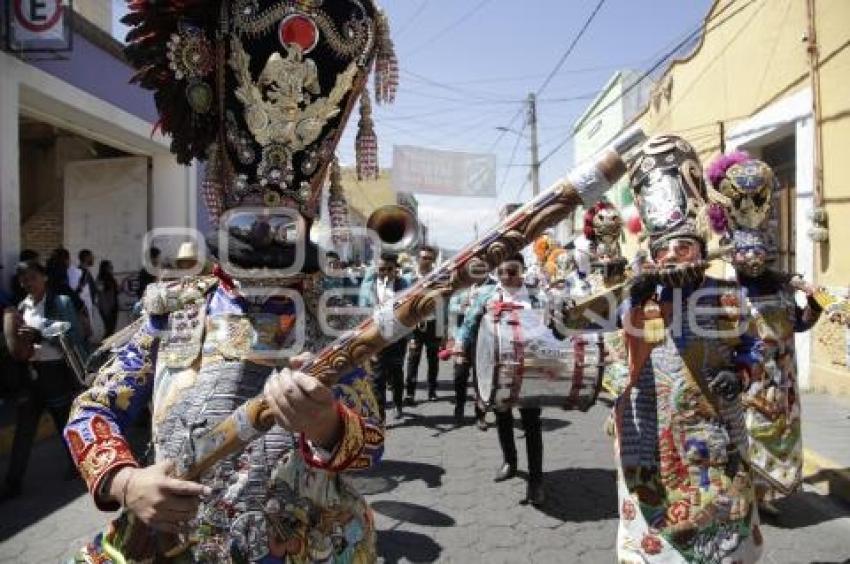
(535, 157)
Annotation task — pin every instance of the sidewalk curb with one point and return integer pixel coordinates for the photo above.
(826, 474)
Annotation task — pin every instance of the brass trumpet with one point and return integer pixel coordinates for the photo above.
(397, 228)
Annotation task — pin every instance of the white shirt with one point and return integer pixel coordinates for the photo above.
(385, 290)
(33, 314)
(74, 276)
(518, 296)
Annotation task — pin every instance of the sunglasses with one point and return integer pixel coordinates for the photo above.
(508, 272)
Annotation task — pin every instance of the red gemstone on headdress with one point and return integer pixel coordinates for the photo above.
(298, 30)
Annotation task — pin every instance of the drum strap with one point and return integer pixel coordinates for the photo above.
(519, 351)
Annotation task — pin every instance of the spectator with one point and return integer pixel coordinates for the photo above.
(107, 296)
(145, 277)
(54, 386)
(187, 256)
(425, 336)
(18, 292)
(81, 280)
(387, 365)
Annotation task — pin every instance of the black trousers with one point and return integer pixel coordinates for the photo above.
(428, 340)
(388, 369)
(54, 390)
(461, 384)
(533, 439)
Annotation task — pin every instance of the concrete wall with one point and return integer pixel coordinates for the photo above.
(46, 96)
(98, 12)
(751, 73)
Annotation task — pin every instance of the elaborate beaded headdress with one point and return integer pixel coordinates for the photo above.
(261, 89)
(670, 194)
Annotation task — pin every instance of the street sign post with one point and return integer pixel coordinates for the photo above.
(39, 26)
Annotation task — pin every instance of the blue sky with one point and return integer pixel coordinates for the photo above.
(467, 65)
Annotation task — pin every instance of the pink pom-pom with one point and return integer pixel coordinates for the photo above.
(717, 169)
(717, 218)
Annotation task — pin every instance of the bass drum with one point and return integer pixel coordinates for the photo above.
(520, 363)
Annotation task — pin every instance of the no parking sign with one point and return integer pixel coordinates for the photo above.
(38, 25)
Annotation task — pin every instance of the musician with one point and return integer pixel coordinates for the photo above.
(460, 306)
(49, 385)
(209, 343)
(387, 366)
(685, 490)
(424, 336)
(512, 291)
(772, 396)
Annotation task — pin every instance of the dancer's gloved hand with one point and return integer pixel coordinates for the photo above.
(159, 500)
(302, 404)
(726, 384)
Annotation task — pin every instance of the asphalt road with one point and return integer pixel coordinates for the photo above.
(435, 500)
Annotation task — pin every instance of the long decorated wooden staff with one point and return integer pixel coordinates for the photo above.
(583, 186)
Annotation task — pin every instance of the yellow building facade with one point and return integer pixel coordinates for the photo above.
(747, 85)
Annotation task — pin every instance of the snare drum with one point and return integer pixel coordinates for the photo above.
(519, 363)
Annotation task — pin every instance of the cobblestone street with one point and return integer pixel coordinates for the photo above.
(435, 500)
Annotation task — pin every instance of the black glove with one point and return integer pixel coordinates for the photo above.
(725, 384)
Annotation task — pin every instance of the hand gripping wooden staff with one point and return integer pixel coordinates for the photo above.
(585, 185)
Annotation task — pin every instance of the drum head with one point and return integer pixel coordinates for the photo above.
(486, 352)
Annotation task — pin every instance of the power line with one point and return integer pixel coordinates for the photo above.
(460, 100)
(457, 23)
(412, 18)
(652, 69)
(551, 75)
(513, 155)
(486, 96)
(571, 47)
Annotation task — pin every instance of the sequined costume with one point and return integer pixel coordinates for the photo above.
(260, 90)
(685, 493)
(279, 501)
(743, 188)
(685, 489)
(772, 398)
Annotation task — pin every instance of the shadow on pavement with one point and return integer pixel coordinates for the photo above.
(393, 546)
(441, 424)
(581, 494)
(390, 473)
(412, 513)
(805, 509)
(45, 489)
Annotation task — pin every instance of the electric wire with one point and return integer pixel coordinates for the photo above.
(664, 59)
(571, 46)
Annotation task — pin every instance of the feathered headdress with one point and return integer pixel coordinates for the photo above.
(261, 88)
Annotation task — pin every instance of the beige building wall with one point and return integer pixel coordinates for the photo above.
(98, 12)
(751, 72)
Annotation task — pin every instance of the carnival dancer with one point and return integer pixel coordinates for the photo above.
(599, 266)
(684, 484)
(744, 188)
(261, 90)
(387, 365)
(511, 292)
(425, 336)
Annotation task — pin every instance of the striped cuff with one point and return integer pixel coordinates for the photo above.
(348, 449)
